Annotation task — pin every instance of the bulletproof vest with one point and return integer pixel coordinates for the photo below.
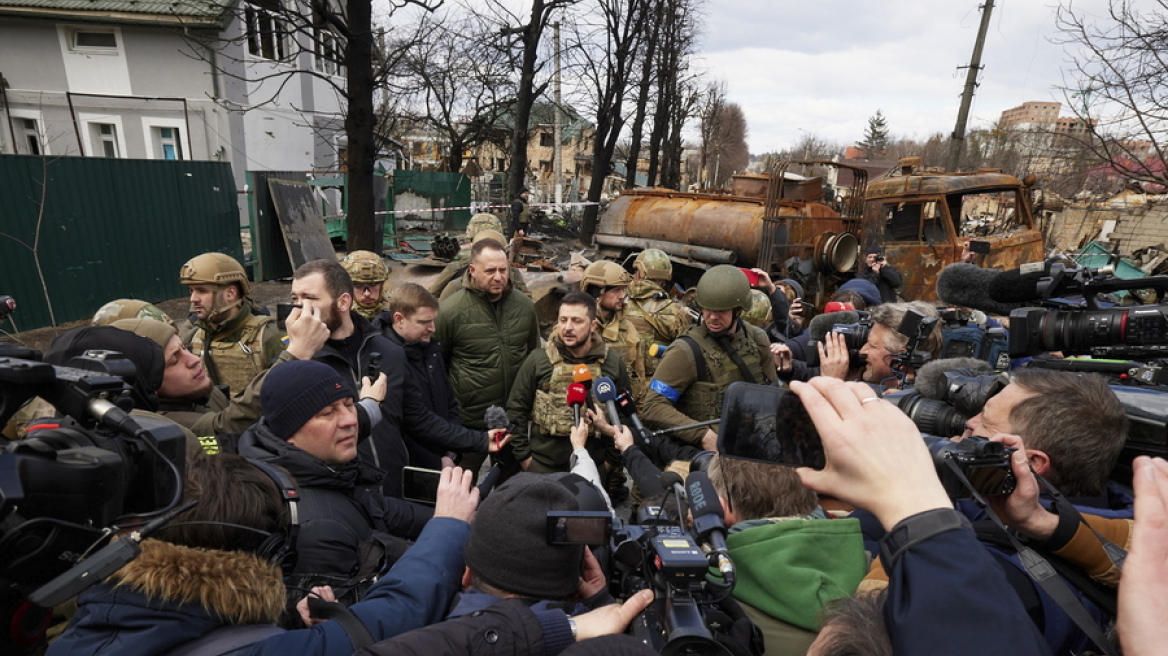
(552, 413)
(703, 399)
(657, 318)
(524, 214)
(621, 336)
(235, 363)
(370, 313)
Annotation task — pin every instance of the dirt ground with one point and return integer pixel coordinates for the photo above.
(558, 244)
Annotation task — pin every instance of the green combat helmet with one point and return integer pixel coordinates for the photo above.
(654, 264)
(483, 221)
(723, 287)
(759, 313)
(365, 267)
(128, 308)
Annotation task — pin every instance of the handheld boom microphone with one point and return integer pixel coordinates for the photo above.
(709, 521)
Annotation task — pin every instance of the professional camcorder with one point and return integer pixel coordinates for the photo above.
(72, 479)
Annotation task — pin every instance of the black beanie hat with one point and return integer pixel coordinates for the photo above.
(295, 391)
(144, 353)
(508, 546)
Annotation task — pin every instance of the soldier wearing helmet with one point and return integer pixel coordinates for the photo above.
(231, 335)
(658, 318)
(697, 368)
(369, 274)
(608, 282)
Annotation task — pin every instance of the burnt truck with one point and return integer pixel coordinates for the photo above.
(809, 230)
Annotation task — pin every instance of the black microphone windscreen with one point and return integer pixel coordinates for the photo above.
(821, 325)
(1013, 286)
(703, 497)
(496, 417)
(669, 479)
(931, 381)
(967, 285)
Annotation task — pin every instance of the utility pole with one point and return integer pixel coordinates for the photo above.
(557, 126)
(957, 139)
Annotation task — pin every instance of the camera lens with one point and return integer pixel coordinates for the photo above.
(929, 415)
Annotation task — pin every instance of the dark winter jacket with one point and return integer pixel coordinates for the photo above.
(173, 595)
(887, 281)
(348, 529)
(432, 422)
(508, 628)
(385, 449)
(484, 344)
(947, 596)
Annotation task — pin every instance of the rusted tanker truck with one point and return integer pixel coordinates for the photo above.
(785, 225)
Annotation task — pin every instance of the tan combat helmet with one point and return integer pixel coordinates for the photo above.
(603, 274)
(128, 308)
(483, 221)
(723, 287)
(760, 312)
(654, 264)
(214, 269)
(365, 267)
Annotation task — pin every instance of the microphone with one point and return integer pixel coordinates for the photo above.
(489, 481)
(709, 520)
(605, 391)
(1019, 285)
(932, 382)
(968, 285)
(669, 479)
(581, 374)
(495, 417)
(577, 397)
(624, 401)
(820, 326)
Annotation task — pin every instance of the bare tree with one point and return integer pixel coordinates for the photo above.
(456, 83)
(676, 86)
(606, 43)
(647, 80)
(727, 143)
(712, 103)
(333, 40)
(1118, 92)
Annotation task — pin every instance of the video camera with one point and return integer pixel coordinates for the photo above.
(1135, 332)
(72, 478)
(781, 432)
(658, 552)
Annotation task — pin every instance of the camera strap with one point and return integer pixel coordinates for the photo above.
(1042, 572)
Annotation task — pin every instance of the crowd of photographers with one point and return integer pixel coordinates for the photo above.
(823, 519)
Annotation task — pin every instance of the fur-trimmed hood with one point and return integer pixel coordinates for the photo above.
(236, 587)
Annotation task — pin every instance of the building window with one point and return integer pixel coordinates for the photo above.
(328, 48)
(33, 139)
(105, 140)
(167, 143)
(266, 33)
(547, 139)
(93, 41)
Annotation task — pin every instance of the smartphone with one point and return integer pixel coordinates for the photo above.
(751, 277)
(579, 527)
(980, 247)
(283, 310)
(420, 485)
(768, 424)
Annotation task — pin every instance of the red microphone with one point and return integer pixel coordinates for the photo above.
(577, 396)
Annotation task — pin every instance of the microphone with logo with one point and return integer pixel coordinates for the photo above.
(577, 397)
(624, 401)
(605, 391)
(709, 522)
(581, 374)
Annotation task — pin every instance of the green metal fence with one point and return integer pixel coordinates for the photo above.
(108, 228)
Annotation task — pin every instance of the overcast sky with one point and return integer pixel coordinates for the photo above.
(825, 66)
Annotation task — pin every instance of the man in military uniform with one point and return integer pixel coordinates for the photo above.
(231, 335)
(607, 282)
(658, 318)
(538, 401)
(369, 274)
(697, 368)
(520, 213)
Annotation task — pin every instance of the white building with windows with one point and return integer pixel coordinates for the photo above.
(170, 79)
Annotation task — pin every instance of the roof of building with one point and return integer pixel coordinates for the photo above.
(192, 13)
